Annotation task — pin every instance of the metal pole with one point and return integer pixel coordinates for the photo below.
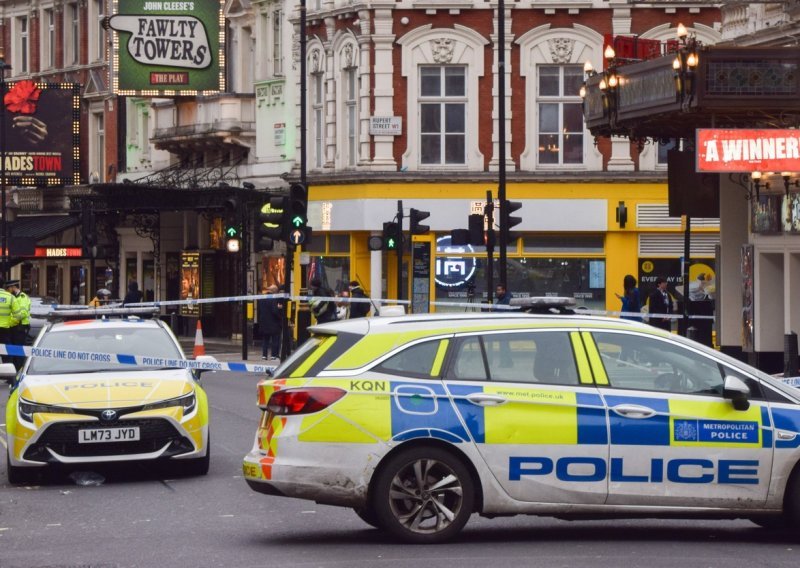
(4, 210)
(489, 213)
(686, 263)
(244, 239)
(399, 250)
(501, 117)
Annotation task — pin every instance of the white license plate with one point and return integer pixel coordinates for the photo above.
(96, 435)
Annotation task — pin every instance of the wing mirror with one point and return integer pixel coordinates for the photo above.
(737, 391)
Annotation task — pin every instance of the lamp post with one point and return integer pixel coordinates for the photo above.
(3, 207)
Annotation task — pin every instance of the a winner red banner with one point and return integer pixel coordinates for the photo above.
(748, 150)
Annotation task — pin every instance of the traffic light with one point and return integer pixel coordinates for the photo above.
(508, 221)
(391, 236)
(233, 225)
(475, 225)
(272, 223)
(88, 231)
(415, 216)
(298, 206)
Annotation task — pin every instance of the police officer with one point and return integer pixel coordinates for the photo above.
(6, 321)
(20, 317)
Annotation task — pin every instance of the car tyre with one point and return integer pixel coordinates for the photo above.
(424, 495)
(772, 522)
(199, 466)
(368, 516)
(17, 475)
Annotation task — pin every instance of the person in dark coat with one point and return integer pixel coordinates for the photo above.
(659, 302)
(134, 295)
(630, 299)
(358, 309)
(323, 310)
(270, 320)
(502, 298)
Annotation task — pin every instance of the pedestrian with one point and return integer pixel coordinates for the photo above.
(20, 318)
(358, 309)
(134, 295)
(630, 299)
(659, 302)
(270, 320)
(343, 306)
(502, 298)
(102, 298)
(324, 310)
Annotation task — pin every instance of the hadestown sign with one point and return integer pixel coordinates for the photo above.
(167, 48)
(748, 150)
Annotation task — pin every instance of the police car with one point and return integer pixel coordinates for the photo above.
(417, 422)
(70, 408)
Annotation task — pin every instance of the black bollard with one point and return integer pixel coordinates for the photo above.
(790, 362)
(691, 333)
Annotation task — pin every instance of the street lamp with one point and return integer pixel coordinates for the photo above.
(3, 207)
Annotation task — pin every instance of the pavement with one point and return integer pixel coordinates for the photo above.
(223, 349)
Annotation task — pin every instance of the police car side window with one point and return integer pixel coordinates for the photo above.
(414, 361)
(531, 357)
(644, 363)
(467, 361)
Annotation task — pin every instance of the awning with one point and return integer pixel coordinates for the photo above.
(25, 232)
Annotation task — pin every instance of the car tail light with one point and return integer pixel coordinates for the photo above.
(303, 400)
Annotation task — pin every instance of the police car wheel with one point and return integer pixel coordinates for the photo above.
(423, 495)
(199, 466)
(368, 516)
(17, 475)
(774, 522)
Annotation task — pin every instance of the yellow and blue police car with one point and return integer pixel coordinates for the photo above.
(416, 422)
(69, 408)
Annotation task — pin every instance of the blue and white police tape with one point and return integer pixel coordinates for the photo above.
(206, 364)
(470, 305)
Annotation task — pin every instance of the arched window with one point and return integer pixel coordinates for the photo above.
(316, 107)
(442, 67)
(551, 61)
(347, 97)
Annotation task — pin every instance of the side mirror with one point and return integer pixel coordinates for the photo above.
(7, 371)
(205, 359)
(737, 391)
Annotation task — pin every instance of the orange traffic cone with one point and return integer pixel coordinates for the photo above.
(199, 348)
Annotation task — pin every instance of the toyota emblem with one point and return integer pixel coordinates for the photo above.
(108, 415)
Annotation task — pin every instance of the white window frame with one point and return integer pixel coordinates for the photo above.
(22, 59)
(97, 141)
(277, 42)
(318, 119)
(350, 84)
(348, 99)
(98, 35)
(560, 100)
(419, 47)
(536, 48)
(72, 25)
(48, 38)
(443, 100)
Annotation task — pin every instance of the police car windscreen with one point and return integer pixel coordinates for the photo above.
(63, 343)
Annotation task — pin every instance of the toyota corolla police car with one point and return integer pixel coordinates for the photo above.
(73, 408)
(417, 422)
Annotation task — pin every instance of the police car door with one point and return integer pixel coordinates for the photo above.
(674, 439)
(528, 402)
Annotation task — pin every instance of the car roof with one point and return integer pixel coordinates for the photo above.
(104, 323)
(440, 323)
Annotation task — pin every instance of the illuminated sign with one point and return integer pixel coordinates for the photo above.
(167, 48)
(453, 270)
(42, 133)
(747, 150)
(57, 252)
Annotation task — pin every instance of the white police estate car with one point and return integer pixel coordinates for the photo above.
(417, 422)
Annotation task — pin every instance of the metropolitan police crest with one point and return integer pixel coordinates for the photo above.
(685, 431)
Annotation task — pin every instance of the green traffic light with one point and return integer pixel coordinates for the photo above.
(231, 231)
(298, 221)
(391, 244)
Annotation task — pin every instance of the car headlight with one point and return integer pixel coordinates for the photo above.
(187, 401)
(27, 409)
